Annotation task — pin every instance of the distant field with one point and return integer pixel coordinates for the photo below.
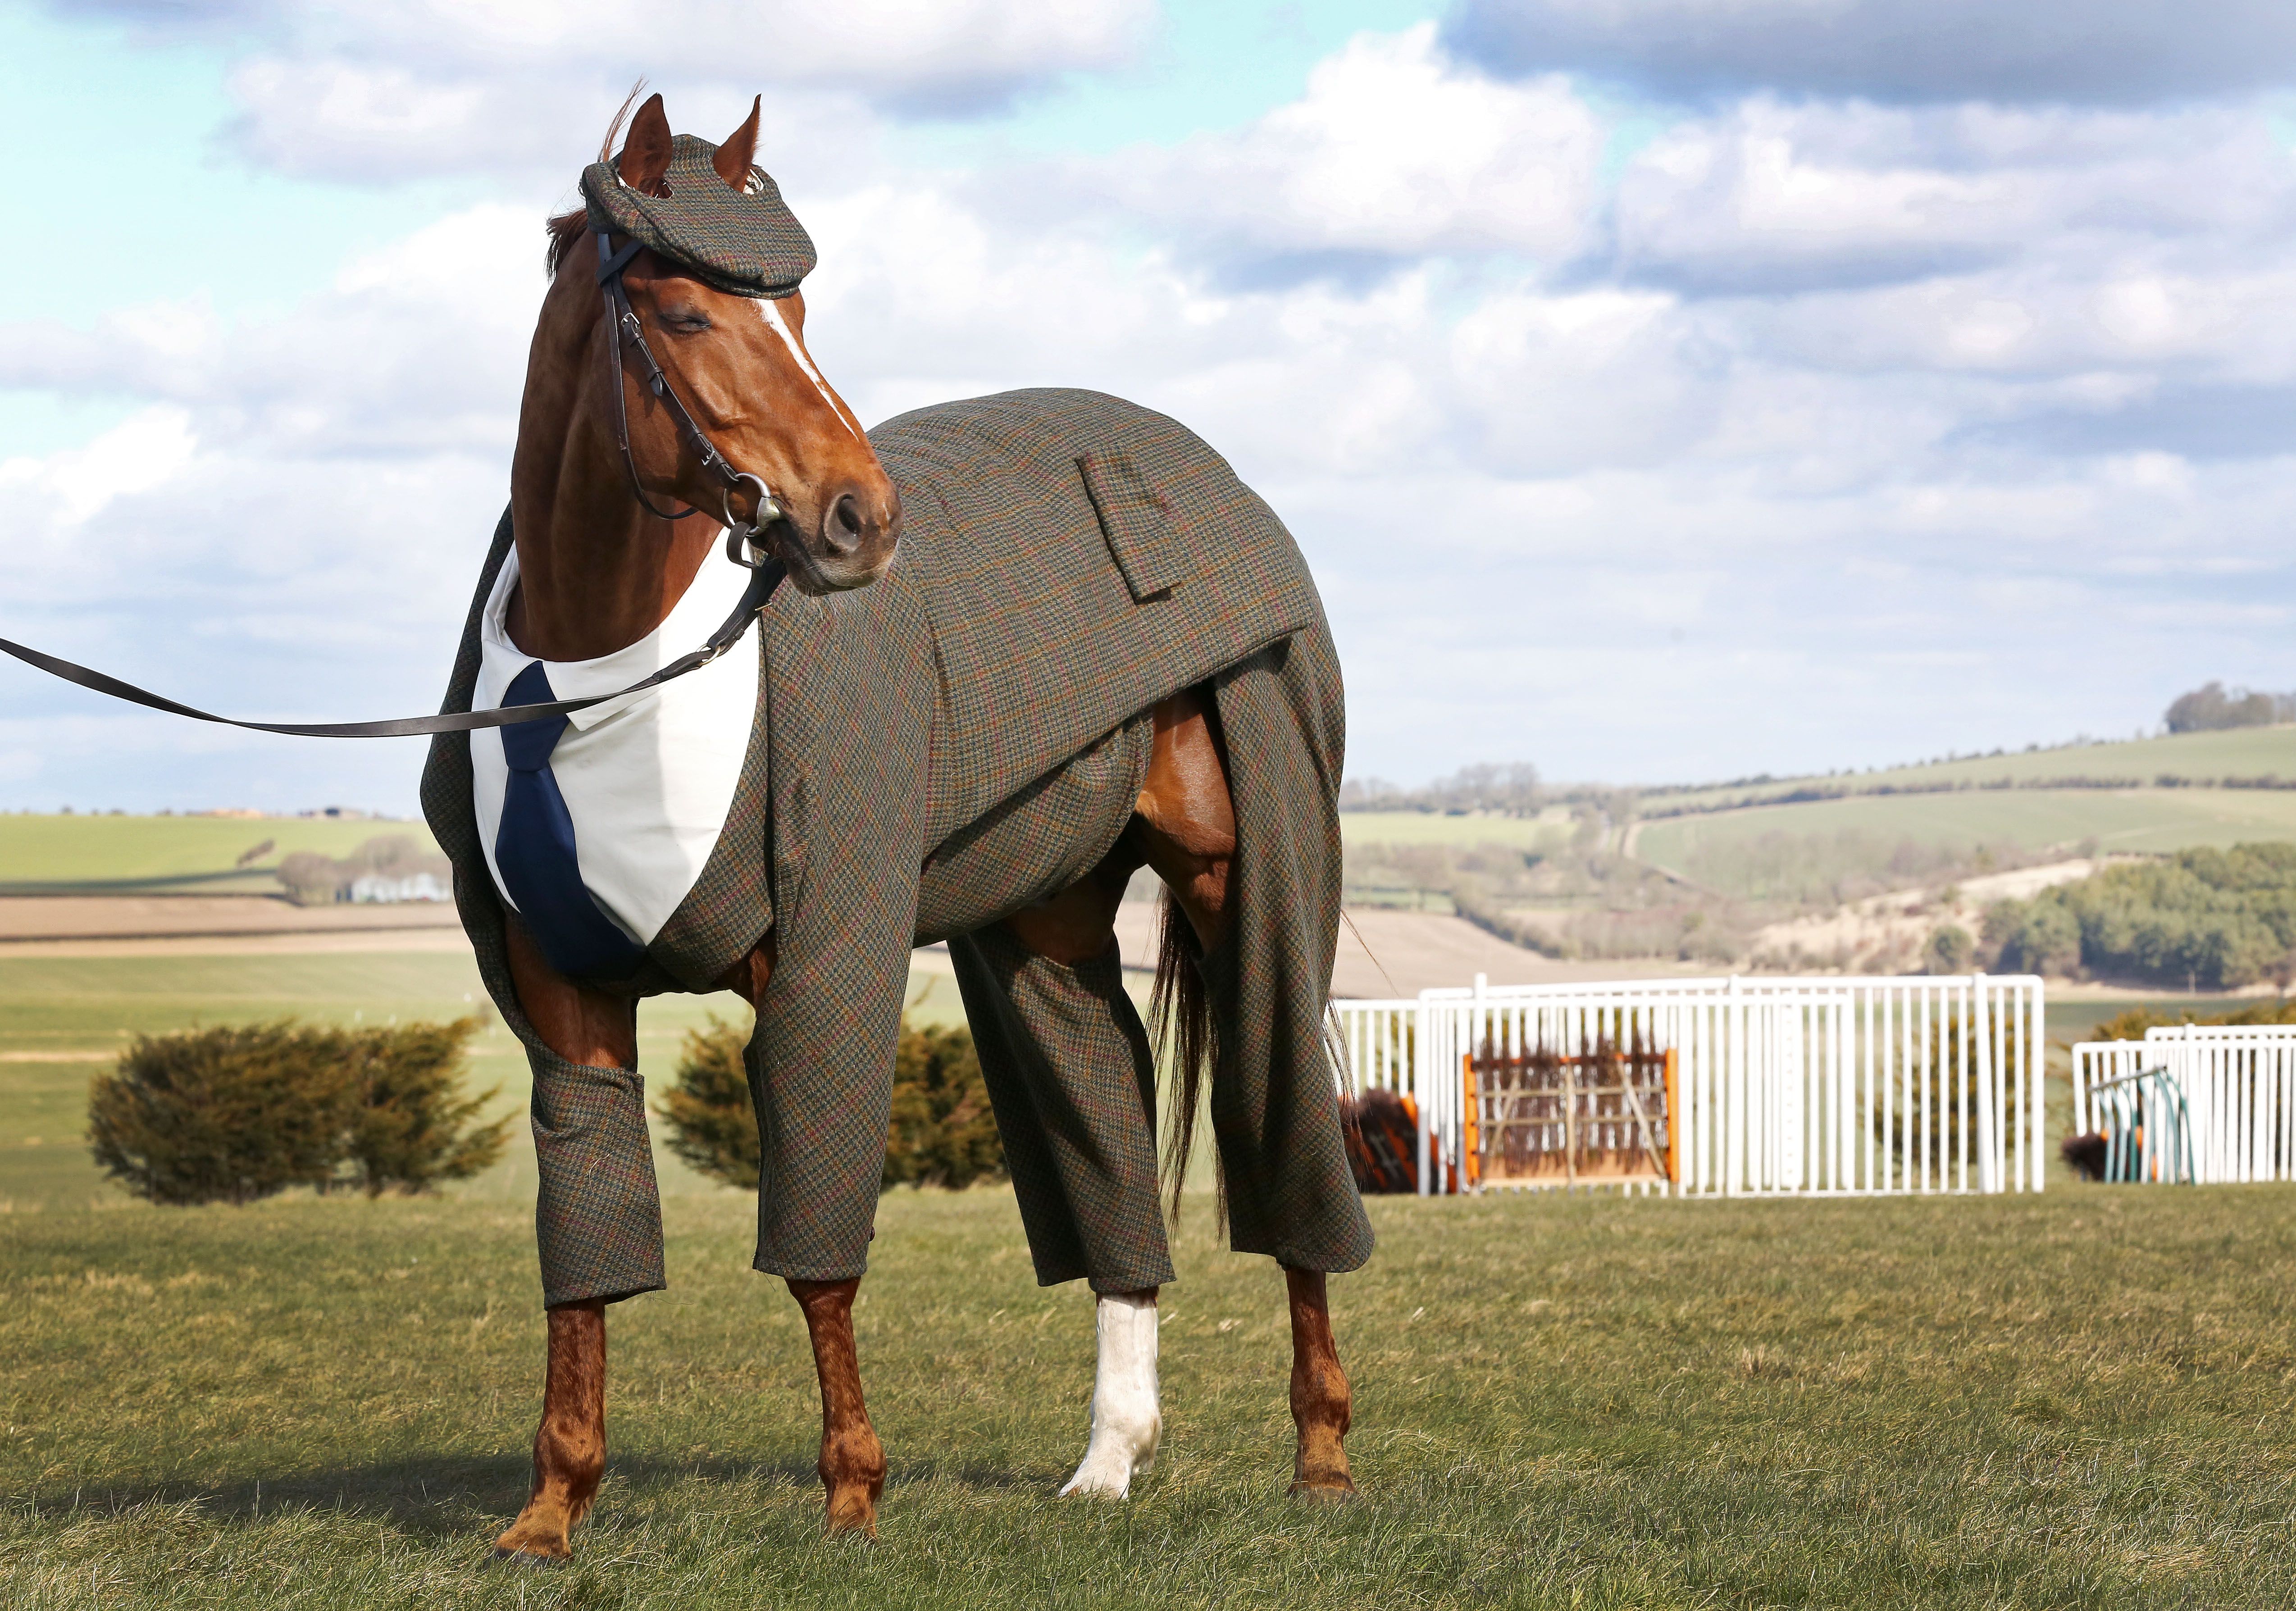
(2245, 752)
(63, 1020)
(89, 852)
(2147, 819)
(1552, 826)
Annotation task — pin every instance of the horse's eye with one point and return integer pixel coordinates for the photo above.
(685, 321)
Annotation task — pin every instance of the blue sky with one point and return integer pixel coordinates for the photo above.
(1665, 391)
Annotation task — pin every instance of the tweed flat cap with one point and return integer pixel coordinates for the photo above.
(746, 243)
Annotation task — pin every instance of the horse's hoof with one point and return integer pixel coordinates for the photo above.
(851, 1516)
(527, 1559)
(1324, 1490)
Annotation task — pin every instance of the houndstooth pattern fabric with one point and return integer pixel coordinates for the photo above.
(1274, 1108)
(1066, 1061)
(747, 242)
(933, 751)
(597, 1222)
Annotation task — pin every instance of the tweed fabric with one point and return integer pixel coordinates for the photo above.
(597, 1219)
(1274, 1108)
(1040, 841)
(1043, 646)
(1066, 1061)
(746, 242)
(931, 752)
(849, 690)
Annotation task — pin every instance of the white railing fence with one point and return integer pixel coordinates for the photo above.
(1809, 1087)
(2239, 1086)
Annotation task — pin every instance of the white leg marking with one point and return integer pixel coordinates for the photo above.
(1126, 1422)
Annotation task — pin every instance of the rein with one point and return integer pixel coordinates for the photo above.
(741, 547)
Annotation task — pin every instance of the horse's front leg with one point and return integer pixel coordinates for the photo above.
(852, 1464)
(1321, 1401)
(569, 1445)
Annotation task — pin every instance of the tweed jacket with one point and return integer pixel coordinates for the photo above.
(931, 752)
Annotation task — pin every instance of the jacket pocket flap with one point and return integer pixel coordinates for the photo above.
(1136, 522)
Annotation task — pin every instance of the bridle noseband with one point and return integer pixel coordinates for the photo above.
(742, 544)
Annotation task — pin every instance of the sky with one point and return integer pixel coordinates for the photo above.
(1661, 389)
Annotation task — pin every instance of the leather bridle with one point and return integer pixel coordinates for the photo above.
(741, 537)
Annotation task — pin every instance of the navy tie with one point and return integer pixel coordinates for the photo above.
(534, 849)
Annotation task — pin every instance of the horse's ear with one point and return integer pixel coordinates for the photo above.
(733, 158)
(645, 154)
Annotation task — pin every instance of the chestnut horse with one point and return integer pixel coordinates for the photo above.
(599, 572)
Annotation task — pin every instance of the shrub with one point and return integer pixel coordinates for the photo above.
(2208, 919)
(2132, 1024)
(942, 1132)
(408, 1129)
(1950, 950)
(713, 1124)
(235, 1114)
(220, 1115)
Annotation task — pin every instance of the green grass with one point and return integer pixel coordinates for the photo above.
(2241, 752)
(1545, 831)
(2081, 1399)
(196, 853)
(2150, 820)
(63, 1019)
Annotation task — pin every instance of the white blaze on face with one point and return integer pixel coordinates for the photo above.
(1127, 1421)
(780, 327)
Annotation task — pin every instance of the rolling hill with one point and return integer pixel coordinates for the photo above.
(54, 854)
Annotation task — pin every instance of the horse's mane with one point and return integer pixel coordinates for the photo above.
(566, 228)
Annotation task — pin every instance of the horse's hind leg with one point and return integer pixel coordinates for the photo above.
(1067, 1063)
(586, 1027)
(852, 1464)
(1187, 830)
(1321, 1403)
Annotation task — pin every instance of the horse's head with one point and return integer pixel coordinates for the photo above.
(739, 364)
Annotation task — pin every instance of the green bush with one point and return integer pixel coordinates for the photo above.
(408, 1130)
(235, 1114)
(2213, 920)
(942, 1132)
(713, 1125)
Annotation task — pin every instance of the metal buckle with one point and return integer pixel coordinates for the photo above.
(741, 538)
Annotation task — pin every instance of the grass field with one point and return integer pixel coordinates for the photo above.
(93, 854)
(1551, 829)
(2242, 752)
(2150, 818)
(2079, 1399)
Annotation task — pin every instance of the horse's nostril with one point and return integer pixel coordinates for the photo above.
(844, 525)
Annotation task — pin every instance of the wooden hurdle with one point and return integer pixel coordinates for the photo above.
(1542, 1119)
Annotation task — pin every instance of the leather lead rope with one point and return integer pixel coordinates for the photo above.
(754, 598)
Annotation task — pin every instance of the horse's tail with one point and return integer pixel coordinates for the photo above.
(1188, 1038)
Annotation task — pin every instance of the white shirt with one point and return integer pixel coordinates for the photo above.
(647, 780)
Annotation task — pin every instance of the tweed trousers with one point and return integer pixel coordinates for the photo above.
(955, 742)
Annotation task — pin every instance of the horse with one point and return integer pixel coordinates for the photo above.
(1028, 645)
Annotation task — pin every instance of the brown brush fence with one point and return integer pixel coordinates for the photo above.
(1545, 1119)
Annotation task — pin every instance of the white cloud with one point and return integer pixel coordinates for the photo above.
(396, 90)
(1395, 151)
(2078, 50)
(1834, 433)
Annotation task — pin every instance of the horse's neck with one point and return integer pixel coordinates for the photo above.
(596, 573)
